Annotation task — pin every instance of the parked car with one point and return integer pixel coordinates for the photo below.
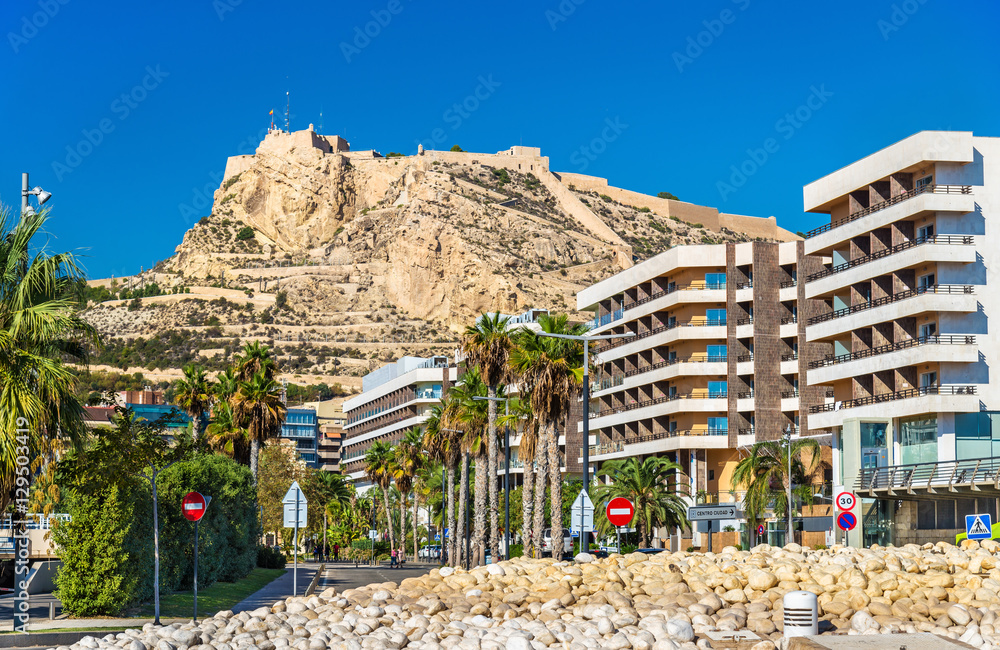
(430, 552)
(547, 543)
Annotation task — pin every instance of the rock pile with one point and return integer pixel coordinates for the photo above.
(647, 602)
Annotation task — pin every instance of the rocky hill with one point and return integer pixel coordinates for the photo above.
(351, 258)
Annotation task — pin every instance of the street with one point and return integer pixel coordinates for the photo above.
(343, 576)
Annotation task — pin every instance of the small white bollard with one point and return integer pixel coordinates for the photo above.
(800, 612)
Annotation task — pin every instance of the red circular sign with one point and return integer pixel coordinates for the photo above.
(847, 521)
(193, 505)
(620, 511)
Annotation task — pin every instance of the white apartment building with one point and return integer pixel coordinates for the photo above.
(910, 314)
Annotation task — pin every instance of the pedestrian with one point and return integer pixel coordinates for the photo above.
(392, 561)
(336, 551)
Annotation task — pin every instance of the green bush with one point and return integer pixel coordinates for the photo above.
(455, 147)
(245, 233)
(606, 198)
(502, 176)
(270, 558)
(280, 300)
(230, 181)
(667, 195)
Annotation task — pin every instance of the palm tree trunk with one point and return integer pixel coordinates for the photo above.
(492, 465)
(555, 487)
(538, 517)
(449, 516)
(402, 522)
(527, 492)
(463, 500)
(415, 549)
(482, 494)
(254, 458)
(388, 519)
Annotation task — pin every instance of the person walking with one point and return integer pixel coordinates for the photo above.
(336, 551)
(392, 561)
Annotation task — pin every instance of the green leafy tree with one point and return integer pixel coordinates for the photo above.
(650, 484)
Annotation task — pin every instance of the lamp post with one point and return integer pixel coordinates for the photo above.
(506, 474)
(586, 410)
(788, 507)
(41, 195)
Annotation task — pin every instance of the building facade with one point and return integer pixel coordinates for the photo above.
(907, 308)
(301, 427)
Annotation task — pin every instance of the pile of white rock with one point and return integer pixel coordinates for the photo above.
(647, 602)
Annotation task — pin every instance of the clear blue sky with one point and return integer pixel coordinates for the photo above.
(556, 73)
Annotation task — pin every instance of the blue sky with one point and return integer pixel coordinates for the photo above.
(168, 90)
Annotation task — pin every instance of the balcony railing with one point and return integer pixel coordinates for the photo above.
(893, 347)
(695, 322)
(657, 400)
(619, 445)
(791, 356)
(694, 286)
(746, 320)
(891, 397)
(899, 198)
(790, 393)
(886, 252)
(744, 358)
(746, 284)
(600, 321)
(926, 476)
(746, 394)
(695, 358)
(788, 284)
(787, 320)
(950, 289)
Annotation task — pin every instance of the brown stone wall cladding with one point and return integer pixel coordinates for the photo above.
(732, 344)
(767, 279)
(808, 395)
(574, 437)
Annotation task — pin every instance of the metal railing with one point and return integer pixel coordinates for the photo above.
(788, 320)
(694, 286)
(790, 393)
(747, 394)
(34, 521)
(891, 397)
(886, 252)
(893, 347)
(600, 321)
(791, 356)
(656, 400)
(949, 289)
(619, 445)
(788, 284)
(899, 198)
(929, 475)
(695, 322)
(695, 358)
(746, 320)
(744, 358)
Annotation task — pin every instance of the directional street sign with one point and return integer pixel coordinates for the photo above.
(373, 534)
(712, 513)
(620, 511)
(295, 507)
(847, 521)
(586, 506)
(846, 500)
(978, 526)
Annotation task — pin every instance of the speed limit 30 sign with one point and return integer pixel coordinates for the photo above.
(846, 501)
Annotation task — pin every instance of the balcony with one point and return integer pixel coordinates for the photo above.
(788, 284)
(695, 322)
(909, 194)
(948, 479)
(601, 321)
(891, 397)
(787, 394)
(893, 347)
(961, 240)
(939, 289)
(622, 446)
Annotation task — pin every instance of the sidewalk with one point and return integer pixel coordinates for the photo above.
(280, 588)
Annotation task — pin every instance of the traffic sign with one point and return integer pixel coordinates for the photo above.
(193, 506)
(373, 534)
(295, 507)
(437, 538)
(978, 526)
(583, 508)
(712, 513)
(575, 533)
(619, 511)
(847, 500)
(760, 529)
(847, 521)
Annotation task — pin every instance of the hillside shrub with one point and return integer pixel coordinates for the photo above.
(245, 233)
(270, 558)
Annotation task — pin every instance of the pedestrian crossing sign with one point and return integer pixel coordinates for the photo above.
(978, 526)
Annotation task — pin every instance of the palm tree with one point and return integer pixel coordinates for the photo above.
(194, 395)
(453, 415)
(522, 420)
(443, 446)
(226, 384)
(409, 461)
(470, 414)
(650, 484)
(487, 345)
(553, 369)
(225, 436)
(379, 468)
(256, 358)
(764, 475)
(39, 330)
(257, 406)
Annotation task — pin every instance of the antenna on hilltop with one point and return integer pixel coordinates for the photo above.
(288, 105)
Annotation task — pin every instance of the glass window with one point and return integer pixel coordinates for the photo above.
(925, 232)
(946, 514)
(716, 352)
(925, 515)
(928, 329)
(718, 425)
(717, 389)
(928, 379)
(715, 316)
(923, 182)
(715, 280)
(918, 440)
(873, 434)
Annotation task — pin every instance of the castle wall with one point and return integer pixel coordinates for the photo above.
(237, 165)
(508, 161)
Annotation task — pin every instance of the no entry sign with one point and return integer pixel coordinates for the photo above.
(847, 521)
(620, 511)
(193, 505)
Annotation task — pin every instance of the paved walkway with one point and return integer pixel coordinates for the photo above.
(280, 588)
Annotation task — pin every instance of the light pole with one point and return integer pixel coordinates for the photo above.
(586, 410)
(41, 195)
(506, 473)
(788, 507)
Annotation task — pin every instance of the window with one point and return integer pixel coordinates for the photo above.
(671, 322)
(928, 329)
(918, 441)
(715, 316)
(717, 389)
(922, 183)
(672, 426)
(711, 475)
(716, 352)
(873, 434)
(718, 425)
(925, 232)
(715, 280)
(928, 379)
(926, 281)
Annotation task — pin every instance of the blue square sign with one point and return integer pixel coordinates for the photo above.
(978, 526)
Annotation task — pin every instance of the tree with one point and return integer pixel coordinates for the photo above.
(650, 484)
(443, 446)
(487, 345)
(523, 421)
(255, 359)
(226, 384)
(257, 406)
(194, 394)
(553, 369)
(667, 195)
(469, 415)
(39, 331)
(455, 147)
(379, 468)
(409, 459)
(764, 475)
(225, 436)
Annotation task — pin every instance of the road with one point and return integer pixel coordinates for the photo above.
(38, 607)
(346, 576)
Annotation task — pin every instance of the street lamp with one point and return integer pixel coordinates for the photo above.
(586, 407)
(39, 193)
(788, 507)
(506, 474)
